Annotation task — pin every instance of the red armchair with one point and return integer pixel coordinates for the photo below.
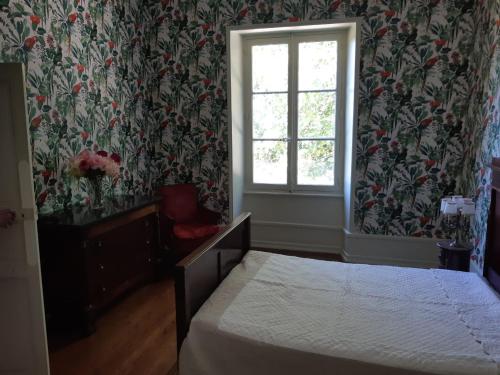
(184, 223)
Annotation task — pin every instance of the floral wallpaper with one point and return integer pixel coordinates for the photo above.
(87, 87)
(190, 102)
(414, 98)
(147, 80)
(482, 137)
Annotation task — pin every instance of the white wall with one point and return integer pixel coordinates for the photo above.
(351, 122)
(291, 221)
(296, 221)
(390, 250)
(236, 135)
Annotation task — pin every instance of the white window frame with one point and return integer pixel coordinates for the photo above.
(293, 38)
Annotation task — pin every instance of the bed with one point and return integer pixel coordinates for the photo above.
(247, 312)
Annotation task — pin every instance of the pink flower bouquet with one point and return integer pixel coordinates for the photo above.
(90, 165)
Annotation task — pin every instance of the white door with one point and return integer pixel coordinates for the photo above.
(23, 344)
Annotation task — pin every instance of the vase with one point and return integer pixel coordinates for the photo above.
(95, 193)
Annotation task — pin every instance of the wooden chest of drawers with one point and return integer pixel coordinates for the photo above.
(90, 259)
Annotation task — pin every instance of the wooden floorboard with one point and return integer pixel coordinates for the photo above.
(137, 336)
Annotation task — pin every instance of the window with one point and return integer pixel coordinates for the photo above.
(293, 100)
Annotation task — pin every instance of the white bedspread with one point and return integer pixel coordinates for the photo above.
(276, 315)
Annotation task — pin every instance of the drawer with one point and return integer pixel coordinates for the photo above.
(116, 260)
(89, 264)
(149, 225)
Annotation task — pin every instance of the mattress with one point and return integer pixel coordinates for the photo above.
(277, 314)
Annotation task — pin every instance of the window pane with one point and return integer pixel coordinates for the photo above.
(317, 114)
(270, 115)
(315, 162)
(270, 68)
(270, 162)
(318, 65)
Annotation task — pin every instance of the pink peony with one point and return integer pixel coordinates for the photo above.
(84, 165)
(116, 158)
(88, 164)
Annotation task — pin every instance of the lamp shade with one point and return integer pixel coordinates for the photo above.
(450, 208)
(458, 205)
(443, 204)
(468, 208)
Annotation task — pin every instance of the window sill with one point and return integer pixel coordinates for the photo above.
(318, 194)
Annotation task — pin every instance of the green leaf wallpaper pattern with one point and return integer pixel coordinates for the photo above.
(87, 87)
(147, 80)
(415, 87)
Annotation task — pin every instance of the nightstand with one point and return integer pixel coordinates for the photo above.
(454, 258)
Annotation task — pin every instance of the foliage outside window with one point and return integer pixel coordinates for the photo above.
(293, 96)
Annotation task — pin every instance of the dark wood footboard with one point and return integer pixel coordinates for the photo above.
(199, 274)
(492, 251)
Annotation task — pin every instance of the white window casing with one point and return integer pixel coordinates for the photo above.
(292, 39)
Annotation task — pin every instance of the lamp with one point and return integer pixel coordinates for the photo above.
(462, 208)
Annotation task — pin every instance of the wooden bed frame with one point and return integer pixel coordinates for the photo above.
(198, 275)
(201, 272)
(492, 254)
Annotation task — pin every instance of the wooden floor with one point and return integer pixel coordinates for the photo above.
(137, 336)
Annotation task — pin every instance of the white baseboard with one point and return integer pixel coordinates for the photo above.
(354, 247)
(297, 236)
(293, 246)
(282, 224)
(390, 250)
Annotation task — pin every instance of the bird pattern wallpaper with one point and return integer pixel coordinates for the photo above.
(87, 88)
(147, 80)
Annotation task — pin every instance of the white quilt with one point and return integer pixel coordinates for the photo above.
(276, 314)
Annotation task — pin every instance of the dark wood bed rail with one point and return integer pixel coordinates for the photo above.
(491, 267)
(201, 272)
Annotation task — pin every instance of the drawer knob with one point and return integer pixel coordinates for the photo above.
(99, 244)
(148, 242)
(149, 260)
(146, 223)
(101, 267)
(103, 289)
